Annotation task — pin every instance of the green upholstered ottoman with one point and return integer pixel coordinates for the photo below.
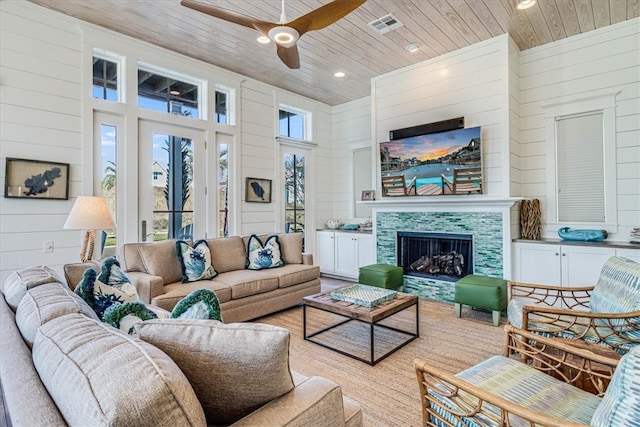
(382, 276)
(487, 293)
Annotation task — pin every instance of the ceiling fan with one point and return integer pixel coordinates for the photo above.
(284, 34)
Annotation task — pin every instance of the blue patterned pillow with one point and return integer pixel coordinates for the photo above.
(199, 304)
(261, 256)
(111, 274)
(195, 261)
(101, 296)
(124, 316)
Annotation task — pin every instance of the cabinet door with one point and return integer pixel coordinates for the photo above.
(366, 250)
(581, 265)
(538, 263)
(346, 254)
(326, 251)
(632, 254)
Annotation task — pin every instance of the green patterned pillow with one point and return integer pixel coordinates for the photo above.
(101, 296)
(124, 316)
(195, 261)
(111, 274)
(261, 256)
(199, 304)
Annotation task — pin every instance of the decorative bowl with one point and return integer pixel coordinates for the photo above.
(333, 224)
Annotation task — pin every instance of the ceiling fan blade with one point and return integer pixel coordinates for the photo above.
(325, 15)
(290, 56)
(230, 16)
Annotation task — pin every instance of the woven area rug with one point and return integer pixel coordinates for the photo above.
(388, 392)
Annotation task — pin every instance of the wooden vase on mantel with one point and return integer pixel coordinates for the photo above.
(530, 219)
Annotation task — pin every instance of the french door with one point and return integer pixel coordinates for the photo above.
(171, 182)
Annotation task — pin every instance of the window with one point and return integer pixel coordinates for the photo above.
(581, 164)
(108, 173)
(167, 92)
(221, 107)
(293, 123)
(106, 69)
(294, 192)
(223, 190)
(579, 168)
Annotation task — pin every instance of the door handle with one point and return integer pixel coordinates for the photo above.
(144, 230)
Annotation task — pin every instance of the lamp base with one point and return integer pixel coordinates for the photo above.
(86, 254)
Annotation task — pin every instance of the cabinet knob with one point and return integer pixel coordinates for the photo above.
(557, 253)
(564, 254)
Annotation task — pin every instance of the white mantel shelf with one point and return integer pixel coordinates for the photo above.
(442, 202)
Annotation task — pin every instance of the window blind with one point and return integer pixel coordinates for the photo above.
(580, 168)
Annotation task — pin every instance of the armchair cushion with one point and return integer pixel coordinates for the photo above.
(621, 403)
(618, 287)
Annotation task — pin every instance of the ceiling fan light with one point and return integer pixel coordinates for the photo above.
(525, 4)
(284, 36)
(263, 39)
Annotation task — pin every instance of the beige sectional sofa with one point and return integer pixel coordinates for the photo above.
(243, 294)
(60, 366)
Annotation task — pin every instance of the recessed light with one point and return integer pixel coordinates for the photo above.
(339, 74)
(263, 39)
(525, 4)
(412, 47)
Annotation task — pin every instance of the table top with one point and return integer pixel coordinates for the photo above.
(324, 301)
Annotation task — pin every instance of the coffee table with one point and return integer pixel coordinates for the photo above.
(371, 316)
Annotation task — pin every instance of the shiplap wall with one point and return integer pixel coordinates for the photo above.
(472, 82)
(45, 113)
(604, 59)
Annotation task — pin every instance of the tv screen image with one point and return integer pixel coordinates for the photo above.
(435, 164)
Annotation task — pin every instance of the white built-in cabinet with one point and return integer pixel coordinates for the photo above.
(342, 253)
(563, 265)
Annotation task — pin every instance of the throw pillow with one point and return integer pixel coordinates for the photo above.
(101, 296)
(199, 304)
(124, 316)
(195, 261)
(111, 274)
(98, 376)
(261, 256)
(233, 369)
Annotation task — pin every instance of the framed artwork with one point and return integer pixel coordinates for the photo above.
(368, 195)
(36, 179)
(258, 190)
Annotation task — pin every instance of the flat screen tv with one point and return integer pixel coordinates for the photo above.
(436, 164)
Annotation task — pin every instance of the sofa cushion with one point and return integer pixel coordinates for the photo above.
(249, 282)
(99, 376)
(174, 292)
(159, 259)
(227, 253)
(131, 258)
(620, 405)
(234, 369)
(293, 274)
(21, 280)
(199, 304)
(262, 256)
(44, 303)
(291, 246)
(101, 296)
(195, 261)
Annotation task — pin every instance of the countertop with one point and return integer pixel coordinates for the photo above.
(604, 244)
(339, 230)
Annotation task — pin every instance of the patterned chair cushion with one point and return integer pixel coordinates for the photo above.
(618, 287)
(523, 385)
(620, 405)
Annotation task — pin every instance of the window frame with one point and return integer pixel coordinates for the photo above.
(119, 61)
(601, 101)
(307, 134)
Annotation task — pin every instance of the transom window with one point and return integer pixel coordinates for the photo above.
(106, 70)
(168, 93)
(292, 123)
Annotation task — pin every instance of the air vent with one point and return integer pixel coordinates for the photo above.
(385, 24)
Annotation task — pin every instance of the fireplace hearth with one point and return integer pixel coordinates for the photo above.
(441, 256)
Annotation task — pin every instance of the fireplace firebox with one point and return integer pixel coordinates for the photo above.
(441, 256)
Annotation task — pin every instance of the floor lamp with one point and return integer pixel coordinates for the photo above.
(89, 213)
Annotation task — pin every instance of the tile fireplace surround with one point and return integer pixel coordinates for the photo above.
(487, 219)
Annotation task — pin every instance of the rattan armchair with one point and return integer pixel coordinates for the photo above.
(607, 314)
(535, 389)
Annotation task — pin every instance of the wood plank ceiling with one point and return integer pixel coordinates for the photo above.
(350, 45)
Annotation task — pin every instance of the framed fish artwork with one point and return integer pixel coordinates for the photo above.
(36, 179)
(258, 190)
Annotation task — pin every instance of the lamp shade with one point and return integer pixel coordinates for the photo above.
(90, 213)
